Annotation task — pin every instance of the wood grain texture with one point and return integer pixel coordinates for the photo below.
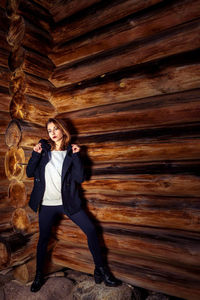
(23, 133)
(14, 160)
(98, 17)
(129, 30)
(5, 99)
(31, 109)
(166, 79)
(182, 39)
(166, 185)
(30, 62)
(17, 194)
(138, 242)
(30, 10)
(64, 9)
(30, 85)
(140, 272)
(4, 77)
(23, 33)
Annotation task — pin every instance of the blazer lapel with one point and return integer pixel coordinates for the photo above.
(66, 163)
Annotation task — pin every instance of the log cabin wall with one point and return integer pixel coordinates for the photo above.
(127, 77)
(28, 43)
(4, 100)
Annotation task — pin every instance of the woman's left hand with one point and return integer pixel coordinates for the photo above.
(75, 148)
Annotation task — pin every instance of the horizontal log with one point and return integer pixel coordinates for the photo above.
(5, 76)
(16, 249)
(5, 99)
(2, 170)
(181, 113)
(4, 55)
(4, 184)
(156, 215)
(139, 272)
(160, 101)
(4, 43)
(6, 218)
(166, 185)
(31, 109)
(145, 152)
(30, 85)
(30, 62)
(155, 167)
(182, 39)
(96, 17)
(14, 160)
(167, 80)
(3, 146)
(154, 135)
(5, 119)
(4, 21)
(23, 133)
(35, 13)
(23, 33)
(17, 194)
(26, 272)
(141, 242)
(127, 31)
(62, 10)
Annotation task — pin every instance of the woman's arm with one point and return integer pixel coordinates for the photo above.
(77, 168)
(34, 160)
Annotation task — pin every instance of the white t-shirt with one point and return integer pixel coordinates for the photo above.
(53, 172)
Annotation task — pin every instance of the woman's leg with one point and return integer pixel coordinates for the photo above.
(82, 220)
(101, 272)
(46, 219)
(47, 216)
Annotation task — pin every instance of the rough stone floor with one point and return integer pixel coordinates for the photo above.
(72, 285)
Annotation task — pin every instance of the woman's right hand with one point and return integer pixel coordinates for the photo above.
(38, 148)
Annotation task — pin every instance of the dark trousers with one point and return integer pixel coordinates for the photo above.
(47, 217)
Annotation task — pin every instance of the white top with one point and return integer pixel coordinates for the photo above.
(53, 172)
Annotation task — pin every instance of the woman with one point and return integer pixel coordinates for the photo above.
(56, 167)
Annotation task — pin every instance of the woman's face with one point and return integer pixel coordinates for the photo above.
(55, 133)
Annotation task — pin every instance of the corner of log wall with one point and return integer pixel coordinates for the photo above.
(29, 108)
(126, 75)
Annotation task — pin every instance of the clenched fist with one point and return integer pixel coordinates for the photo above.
(75, 148)
(38, 148)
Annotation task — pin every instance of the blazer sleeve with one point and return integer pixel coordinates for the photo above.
(77, 169)
(32, 164)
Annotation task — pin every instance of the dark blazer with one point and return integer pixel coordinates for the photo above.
(72, 174)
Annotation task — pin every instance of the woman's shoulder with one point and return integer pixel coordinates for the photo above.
(45, 144)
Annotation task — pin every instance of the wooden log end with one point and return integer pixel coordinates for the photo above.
(13, 163)
(20, 220)
(13, 134)
(11, 8)
(17, 194)
(16, 32)
(18, 107)
(17, 82)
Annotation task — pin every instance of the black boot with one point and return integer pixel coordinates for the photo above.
(38, 282)
(103, 274)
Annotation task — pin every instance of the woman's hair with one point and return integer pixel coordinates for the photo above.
(66, 135)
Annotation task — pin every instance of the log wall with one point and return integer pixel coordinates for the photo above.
(24, 108)
(127, 78)
(125, 74)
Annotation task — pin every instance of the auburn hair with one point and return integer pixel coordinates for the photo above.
(66, 135)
